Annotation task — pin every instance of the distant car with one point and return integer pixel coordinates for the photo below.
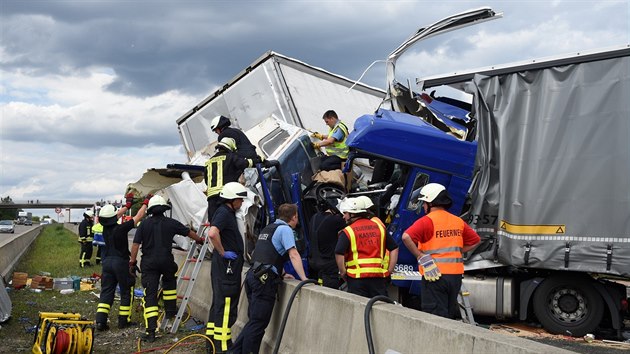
(28, 222)
(7, 226)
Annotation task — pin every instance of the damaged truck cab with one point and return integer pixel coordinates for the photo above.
(545, 190)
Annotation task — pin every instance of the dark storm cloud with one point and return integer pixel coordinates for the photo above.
(188, 46)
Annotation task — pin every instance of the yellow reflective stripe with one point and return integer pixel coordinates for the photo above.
(103, 307)
(169, 294)
(353, 247)
(124, 308)
(358, 271)
(214, 168)
(364, 261)
(384, 253)
(151, 311)
(223, 333)
(210, 329)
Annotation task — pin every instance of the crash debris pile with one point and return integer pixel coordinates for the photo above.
(44, 281)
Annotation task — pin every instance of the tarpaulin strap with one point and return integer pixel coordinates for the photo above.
(528, 248)
(567, 250)
(608, 257)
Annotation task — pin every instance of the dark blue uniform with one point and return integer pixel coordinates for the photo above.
(155, 234)
(226, 280)
(116, 272)
(85, 238)
(261, 284)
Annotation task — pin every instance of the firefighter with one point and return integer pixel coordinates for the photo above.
(85, 239)
(244, 148)
(361, 251)
(99, 241)
(227, 264)
(324, 228)
(155, 234)
(116, 263)
(224, 167)
(335, 143)
(275, 245)
(438, 240)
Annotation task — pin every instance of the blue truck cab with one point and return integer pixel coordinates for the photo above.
(406, 153)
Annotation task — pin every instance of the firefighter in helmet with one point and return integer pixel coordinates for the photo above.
(155, 234)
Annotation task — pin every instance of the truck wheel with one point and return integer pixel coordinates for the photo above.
(568, 305)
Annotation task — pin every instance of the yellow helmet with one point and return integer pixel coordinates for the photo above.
(227, 143)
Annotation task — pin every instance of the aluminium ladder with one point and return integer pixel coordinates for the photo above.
(465, 309)
(195, 256)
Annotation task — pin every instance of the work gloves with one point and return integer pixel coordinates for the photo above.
(230, 255)
(128, 200)
(146, 199)
(133, 268)
(319, 136)
(316, 146)
(431, 271)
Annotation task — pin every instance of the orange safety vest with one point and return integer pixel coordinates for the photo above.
(367, 253)
(446, 244)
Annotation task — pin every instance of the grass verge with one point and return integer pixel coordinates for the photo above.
(56, 251)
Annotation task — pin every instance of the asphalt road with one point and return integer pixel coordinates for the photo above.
(19, 229)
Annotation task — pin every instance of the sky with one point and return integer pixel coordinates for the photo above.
(90, 91)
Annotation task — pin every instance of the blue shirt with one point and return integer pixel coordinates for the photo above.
(282, 239)
(338, 133)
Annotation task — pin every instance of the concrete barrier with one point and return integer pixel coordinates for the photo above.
(324, 320)
(12, 251)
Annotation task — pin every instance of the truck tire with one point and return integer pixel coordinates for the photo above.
(569, 305)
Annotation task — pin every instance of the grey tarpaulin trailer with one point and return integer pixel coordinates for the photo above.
(551, 190)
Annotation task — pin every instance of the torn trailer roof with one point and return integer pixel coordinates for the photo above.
(277, 86)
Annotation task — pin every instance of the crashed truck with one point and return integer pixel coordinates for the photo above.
(537, 163)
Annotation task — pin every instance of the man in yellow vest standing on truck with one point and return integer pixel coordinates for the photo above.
(335, 143)
(438, 240)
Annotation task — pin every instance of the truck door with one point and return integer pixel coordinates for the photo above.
(408, 211)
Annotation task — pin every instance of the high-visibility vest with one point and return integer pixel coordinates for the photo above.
(338, 148)
(445, 246)
(97, 229)
(367, 252)
(214, 168)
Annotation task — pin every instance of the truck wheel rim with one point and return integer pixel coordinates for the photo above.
(568, 305)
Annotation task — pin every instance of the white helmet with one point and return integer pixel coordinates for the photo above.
(429, 192)
(107, 211)
(219, 122)
(367, 202)
(89, 213)
(352, 206)
(215, 122)
(227, 143)
(233, 190)
(157, 200)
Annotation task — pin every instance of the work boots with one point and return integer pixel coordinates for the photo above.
(100, 326)
(124, 323)
(148, 336)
